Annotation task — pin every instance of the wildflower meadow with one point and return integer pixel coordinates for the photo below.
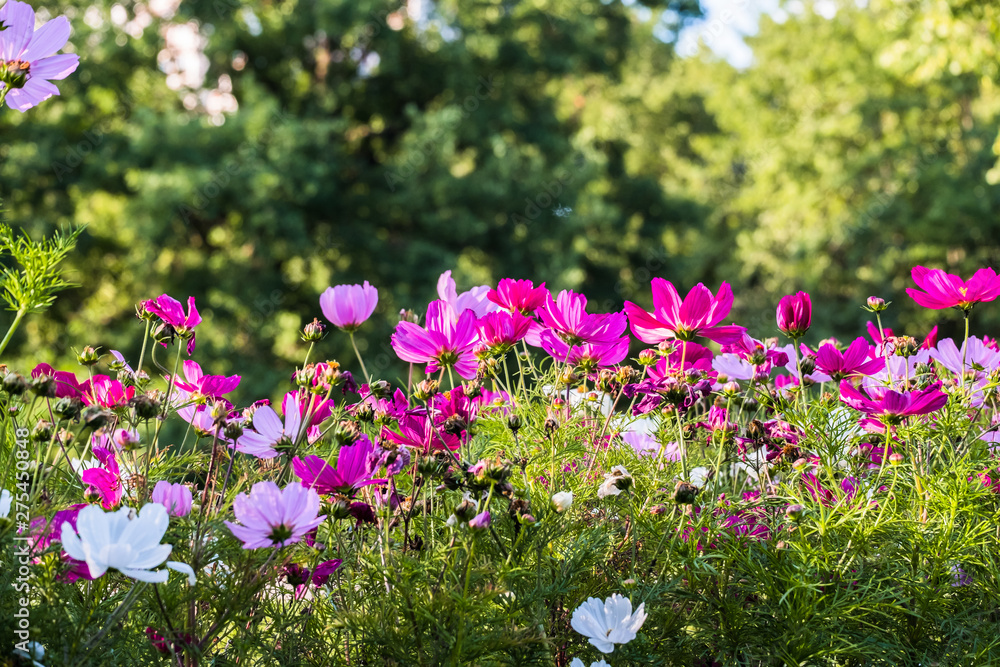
(540, 483)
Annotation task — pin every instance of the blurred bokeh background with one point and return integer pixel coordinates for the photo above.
(253, 153)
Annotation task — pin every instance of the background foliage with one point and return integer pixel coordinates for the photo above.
(557, 139)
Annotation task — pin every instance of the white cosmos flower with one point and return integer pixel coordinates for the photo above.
(5, 500)
(609, 622)
(562, 501)
(579, 663)
(35, 653)
(126, 540)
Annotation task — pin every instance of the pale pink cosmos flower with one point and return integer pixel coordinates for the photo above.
(27, 63)
(475, 299)
(270, 433)
(347, 307)
(175, 497)
(272, 517)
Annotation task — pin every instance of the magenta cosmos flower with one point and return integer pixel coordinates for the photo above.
(271, 517)
(567, 317)
(698, 314)
(518, 295)
(172, 312)
(205, 386)
(893, 405)
(355, 465)
(27, 63)
(794, 314)
(855, 360)
(347, 307)
(447, 341)
(501, 330)
(945, 290)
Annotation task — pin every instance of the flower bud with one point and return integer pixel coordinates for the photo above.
(807, 364)
(88, 356)
(895, 458)
(232, 431)
(313, 331)
(42, 431)
(795, 512)
(408, 316)
(685, 493)
(731, 388)
(514, 423)
(145, 406)
(425, 390)
(219, 413)
(67, 408)
(44, 386)
(481, 521)
(94, 417)
(14, 384)
(876, 304)
(465, 510)
(527, 520)
(562, 501)
(648, 358)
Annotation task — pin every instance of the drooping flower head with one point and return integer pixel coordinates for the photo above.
(608, 622)
(939, 290)
(272, 517)
(172, 313)
(347, 307)
(794, 314)
(699, 314)
(27, 63)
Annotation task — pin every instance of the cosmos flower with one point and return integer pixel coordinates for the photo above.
(347, 307)
(699, 314)
(175, 497)
(518, 295)
(27, 63)
(562, 501)
(5, 502)
(855, 360)
(794, 314)
(355, 465)
(939, 290)
(172, 312)
(272, 517)
(475, 299)
(884, 402)
(207, 386)
(567, 317)
(447, 341)
(608, 622)
(126, 540)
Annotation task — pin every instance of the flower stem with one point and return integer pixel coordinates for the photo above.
(20, 313)
(357, 352)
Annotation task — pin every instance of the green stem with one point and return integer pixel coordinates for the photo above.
(364, 371)
(20, 313)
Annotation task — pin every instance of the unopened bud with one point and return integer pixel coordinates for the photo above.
(425, 390)
(44, 386)
(685, 493)
(408, 316)
(88, 356)
(648, 358)
(877, 304)
(895, 458)
(731, 388)
(794, 512)
(94, 417)
(67, 408)
(514, 423)
(313, 331)
(145, 406)
(15, 384)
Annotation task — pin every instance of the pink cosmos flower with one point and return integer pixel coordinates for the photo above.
(940, 290)
(698, 315)
(103, 391)
(270, 437)
(567, 317)
(518, 295)
(502, 330)
(300, 577)
(447, 341)
(855, 360)
(383, 408)
(175, 497)
(355, 465)
(170, 311)
(272, 517)
(104, 481)
(206, 386)
(67, 386)
(416, 431)
(27, 63)
(475, 299)
(794, 314)
(684, 356)
(587, 355)
(347, 307)
(880, 401)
